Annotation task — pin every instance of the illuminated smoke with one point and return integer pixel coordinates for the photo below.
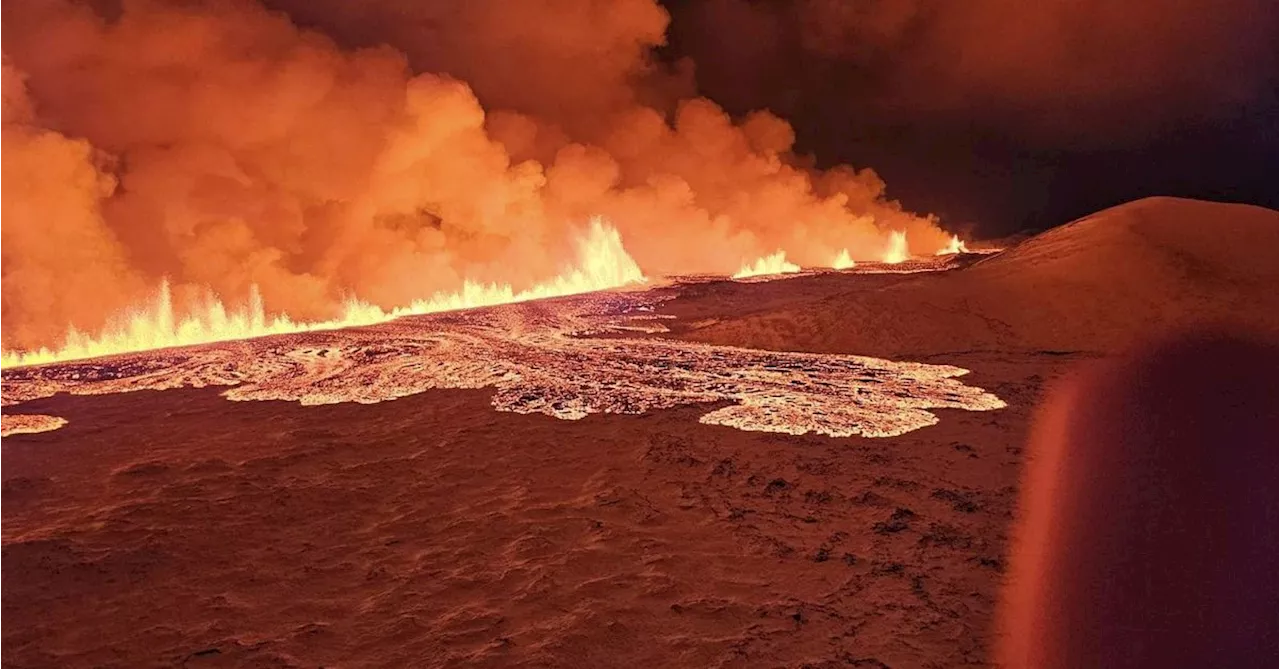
(221, 147)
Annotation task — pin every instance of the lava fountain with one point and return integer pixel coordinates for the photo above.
(769, 265)
(602, 263)
(843, 260)
(897, 249)
(952, 248)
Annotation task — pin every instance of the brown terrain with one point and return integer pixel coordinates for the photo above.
(176, 528)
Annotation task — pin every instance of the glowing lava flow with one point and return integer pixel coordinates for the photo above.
(843, 260)
(952, 248)
(767, 266)
(602, 263)
(29, 423)
(897, 251)
(563, 359)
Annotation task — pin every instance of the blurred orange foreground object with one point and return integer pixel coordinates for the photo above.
(1147, 531)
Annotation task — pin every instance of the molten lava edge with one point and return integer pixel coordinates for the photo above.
(563, 358)
(29, 423)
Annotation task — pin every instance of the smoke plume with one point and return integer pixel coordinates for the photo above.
(1054, 73)
(222, 145)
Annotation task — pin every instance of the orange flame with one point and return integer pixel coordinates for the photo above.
(897, 250)
(952, 248)
(768, 265)
(602, 263)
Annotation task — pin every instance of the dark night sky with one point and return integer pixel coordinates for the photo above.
(1007, 156)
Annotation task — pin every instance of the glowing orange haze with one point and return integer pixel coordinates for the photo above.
(220, 148)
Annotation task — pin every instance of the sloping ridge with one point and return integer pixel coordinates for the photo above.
(1096, 284)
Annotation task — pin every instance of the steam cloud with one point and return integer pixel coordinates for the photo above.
(1055, 72)
(220, 145)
